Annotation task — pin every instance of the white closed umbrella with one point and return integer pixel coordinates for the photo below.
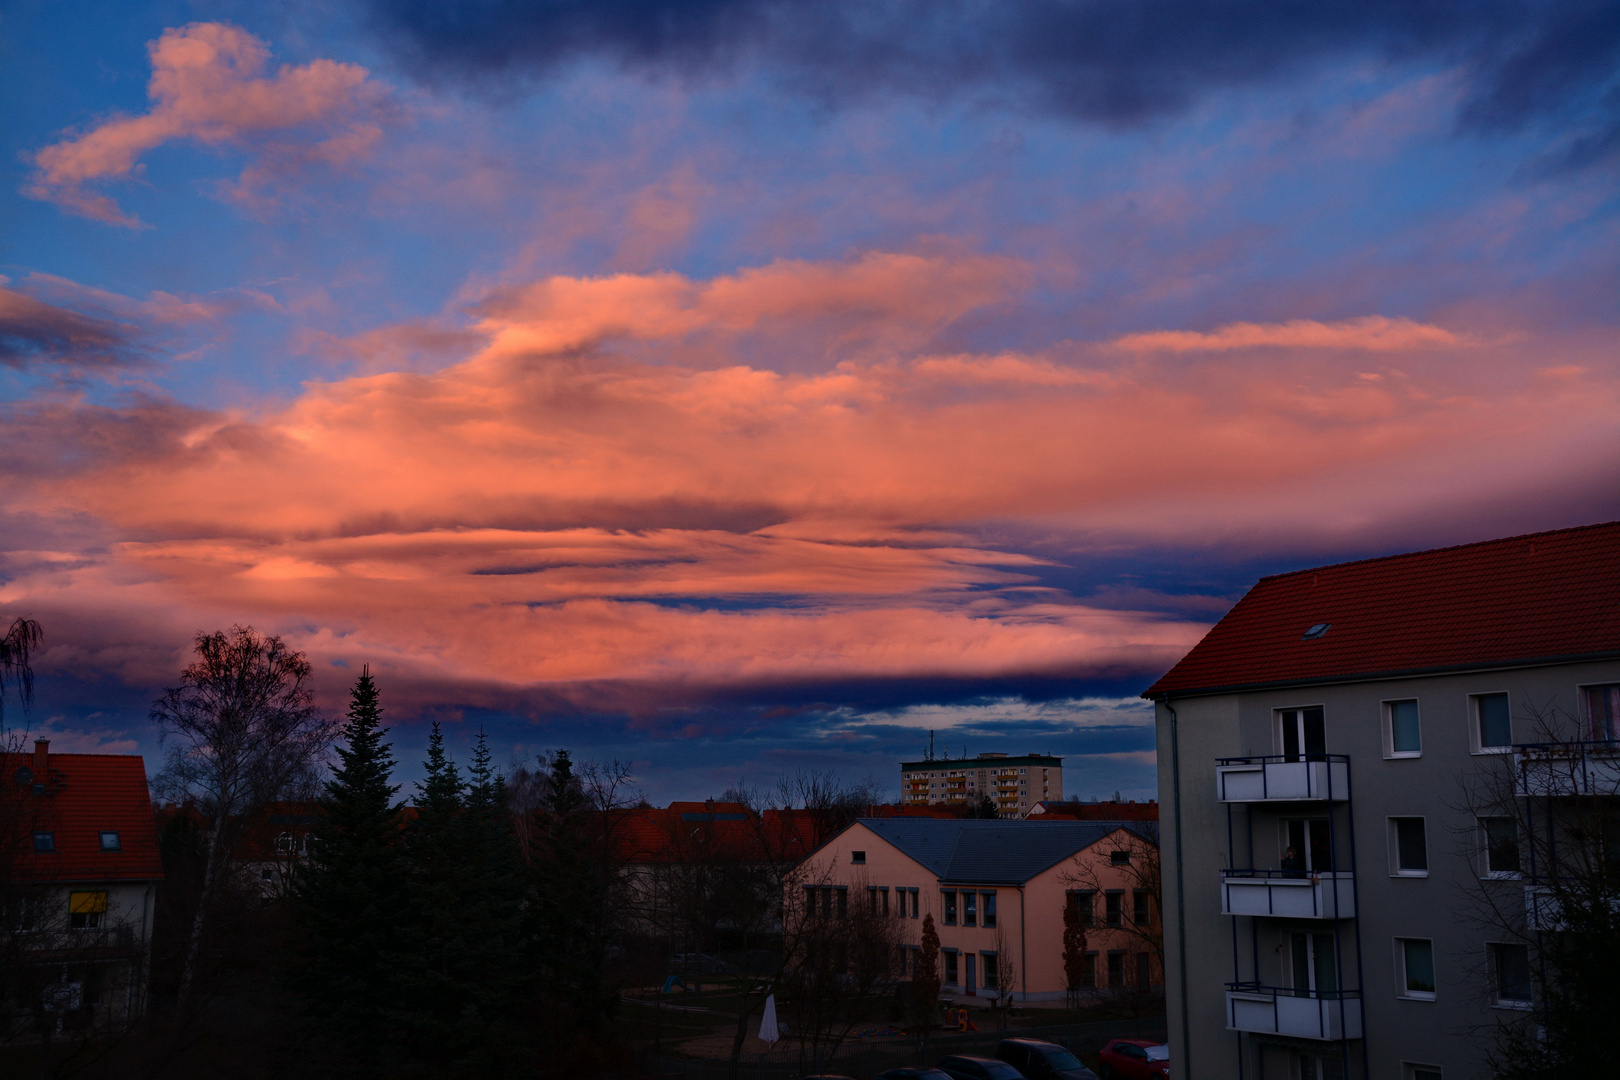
(767, 1023)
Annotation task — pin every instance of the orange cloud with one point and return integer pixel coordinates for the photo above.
(208, 85)
(1370, 333)
(552, 512)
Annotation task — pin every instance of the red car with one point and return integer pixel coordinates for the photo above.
(1134, 1059)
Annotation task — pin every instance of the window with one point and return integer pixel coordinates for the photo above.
(1412, 1071)
(1492, 728)
(1500, 838)
(1116, 970)
(950, 966)
(970, 908)
(1414, 965)
(1510, 973)
(1403, 736)
(1144, 971)
(1409, 849)
(1088, 971)
(914, 903)
(989, 908)
(86, 910)
(843, 901)
(949, 896)
(1603, 711)
(1087, 903)
(1311, 842)
(1323, 1067)
(44, 841)
(1141, 907)
(987, 964)
(110, 841)
(1113, 901)
(857, 856)
(1315, 964)
(1119, 858)
(1301, 733)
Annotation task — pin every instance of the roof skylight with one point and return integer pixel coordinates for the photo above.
(1317, 631)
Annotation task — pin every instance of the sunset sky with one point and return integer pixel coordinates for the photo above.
(735, 388)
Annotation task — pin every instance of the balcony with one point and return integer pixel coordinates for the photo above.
(1573, 768)
(1286, 894)
(1329, 1015)
(1283, 779)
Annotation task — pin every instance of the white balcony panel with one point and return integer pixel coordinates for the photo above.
(1283, 781)
(1580, 771)
(1265, 1012)
(1322, 896)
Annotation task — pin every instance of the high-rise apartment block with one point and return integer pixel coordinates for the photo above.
(1014, 784)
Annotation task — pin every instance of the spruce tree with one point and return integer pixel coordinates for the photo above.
(572, 912)
(350, 892)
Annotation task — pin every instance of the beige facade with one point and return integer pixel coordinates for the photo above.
(998, 937)
(1014, 784)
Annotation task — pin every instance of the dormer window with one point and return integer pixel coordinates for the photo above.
(110, 841)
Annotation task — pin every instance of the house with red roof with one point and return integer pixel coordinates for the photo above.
(79, 875)
(1328, 756)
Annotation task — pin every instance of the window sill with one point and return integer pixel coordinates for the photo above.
(1402, 755)
(1409, 873)
(1483, 750)
(1502, 875)
(1415, 995)
(1513, 1006)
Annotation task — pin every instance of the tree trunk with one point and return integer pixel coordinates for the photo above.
(188, 965)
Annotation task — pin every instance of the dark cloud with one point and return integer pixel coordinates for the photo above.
(33, 332)
(1117, 62)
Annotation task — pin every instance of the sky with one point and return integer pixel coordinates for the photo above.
(736, 389)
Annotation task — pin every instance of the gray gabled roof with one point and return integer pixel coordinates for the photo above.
(993, 852)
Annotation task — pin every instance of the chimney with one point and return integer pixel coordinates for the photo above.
(42, 755)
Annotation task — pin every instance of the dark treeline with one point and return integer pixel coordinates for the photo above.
(433, 942)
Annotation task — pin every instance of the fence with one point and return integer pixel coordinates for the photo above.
(866, 1058)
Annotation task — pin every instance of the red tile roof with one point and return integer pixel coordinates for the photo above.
(85, 795)
(1546, 596)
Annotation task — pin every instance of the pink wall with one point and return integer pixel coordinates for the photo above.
(1029, 920)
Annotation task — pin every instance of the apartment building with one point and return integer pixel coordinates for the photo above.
(1321, 752)
(997, 891)
(1014, 784)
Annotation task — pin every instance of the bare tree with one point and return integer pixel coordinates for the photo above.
(1134, 862)
(1074, 950)
(17, 645)
(245, 733)
(1541, 837)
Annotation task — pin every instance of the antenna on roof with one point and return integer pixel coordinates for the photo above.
(930, 744)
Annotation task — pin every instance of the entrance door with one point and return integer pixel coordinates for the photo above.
(967, 978)
(1309, 839)
(1314, 969)
(1302, 733)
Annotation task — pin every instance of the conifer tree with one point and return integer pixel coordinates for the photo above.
(571, 904)
(350, 893)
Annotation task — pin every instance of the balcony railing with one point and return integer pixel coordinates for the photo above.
(1304, 1014)
(1573, 768)
(1283, 778)
(1288, 894)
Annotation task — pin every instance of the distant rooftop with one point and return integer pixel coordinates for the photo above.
(984, 852)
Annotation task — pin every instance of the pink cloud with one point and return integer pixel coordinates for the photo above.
(208, 85)
(553, 513)
(1370, 333)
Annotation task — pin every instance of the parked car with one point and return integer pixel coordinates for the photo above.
(924, 1073)
(1042, 1060)
(964, 1067)
(1134, 1059)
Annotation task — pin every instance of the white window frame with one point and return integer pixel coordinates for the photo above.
(1394, 840)
(1277, 723)
(1401, 990)
(1409, 1069)
(1498, 1002)
(1475, 746)
(1390, 753)
(1485, 871)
